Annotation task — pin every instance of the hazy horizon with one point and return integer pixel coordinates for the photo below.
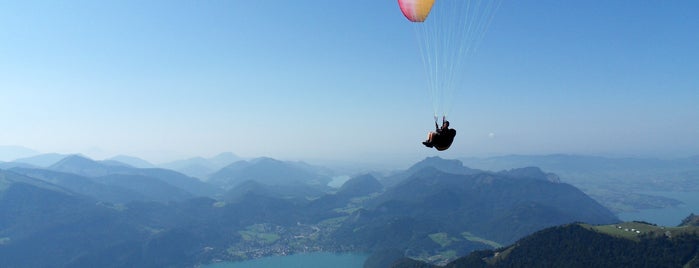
(343, 81)
(7, 155)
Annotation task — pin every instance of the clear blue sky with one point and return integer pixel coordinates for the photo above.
(343, 80)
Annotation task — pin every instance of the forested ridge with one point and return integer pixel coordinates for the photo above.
(581, 245)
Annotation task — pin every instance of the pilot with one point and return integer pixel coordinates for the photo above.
(442, 137)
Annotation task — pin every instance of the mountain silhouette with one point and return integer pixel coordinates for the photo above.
(132, 161)
(42, 160)
(86, 167)
(266, 171)
(530, 173)
(83, 185)
(448, 166)
(360, 186)
(487, 205)
(200, 167)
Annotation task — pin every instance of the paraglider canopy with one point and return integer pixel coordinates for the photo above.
(416, 10)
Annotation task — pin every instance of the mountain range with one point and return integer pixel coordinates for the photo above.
(200, 167)
(621, 184)
(437, 212)
(580, 169)
(267, 171)
(82, 212)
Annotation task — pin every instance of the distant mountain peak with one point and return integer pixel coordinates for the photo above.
(74, 159)
(360, 185)
(531, 173)
(201, 167)
(78, 164)
(431, 160)
(132, 161)
(42, 160)
(445, 165)
(267, 171)
(266, 160)
(437, 159)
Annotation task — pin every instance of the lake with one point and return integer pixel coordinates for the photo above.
(671, 216)
(309, 260)
(338, 181)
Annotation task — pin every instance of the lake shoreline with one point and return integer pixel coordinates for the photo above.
(667, 216)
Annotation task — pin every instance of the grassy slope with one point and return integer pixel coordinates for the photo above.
(636, 230)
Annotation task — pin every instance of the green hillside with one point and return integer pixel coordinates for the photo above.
(639, 230)
(628, 244)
